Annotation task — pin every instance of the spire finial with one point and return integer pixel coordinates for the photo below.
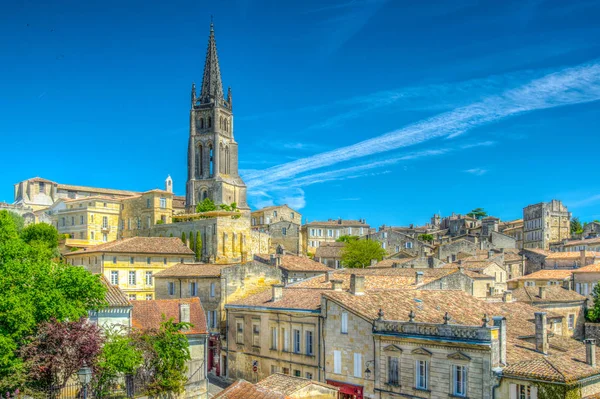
(211, 81)
(212, 27)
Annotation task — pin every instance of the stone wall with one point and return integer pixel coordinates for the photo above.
(291, 240)
(500, 240)
(260, 242)
(447, 251)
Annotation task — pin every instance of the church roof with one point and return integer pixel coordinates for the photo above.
(212, 86)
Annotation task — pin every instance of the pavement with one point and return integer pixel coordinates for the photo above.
(216, 385)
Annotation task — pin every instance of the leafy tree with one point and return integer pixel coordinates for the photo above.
(171, 235)
(198, 246)
(359, 253)
(18, 220)
(41, 233)
(477, 213)
(206, 205)
(346, 238)
(35, 289)
(167, 351)
(593, 312)
(191, 240)
(59, 349)
(576, 227)
(425, 237)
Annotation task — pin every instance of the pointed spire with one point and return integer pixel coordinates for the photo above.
(193, 94)
(212, 87)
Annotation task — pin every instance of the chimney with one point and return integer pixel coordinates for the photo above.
(184, 312)
(373, 262)
(418, 277)
(491, 290)
(500, 322)
(357, 284)
(336, 285)
(272, 258)
(277, 290)
(461, 269)
(507, 296)
(542, 292)
(460, 261)
(582, 258)
(590, 351)
(567, 285)
(278, 261)
(490, 254)
(541, 334)
(328, 276)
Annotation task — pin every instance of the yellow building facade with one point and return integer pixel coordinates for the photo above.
(131, 263)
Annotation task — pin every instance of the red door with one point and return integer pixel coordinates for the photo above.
(210, 359)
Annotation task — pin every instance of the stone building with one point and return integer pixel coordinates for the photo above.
(394, 241)
(316, 233)
(215, 285)
(542, 278)
(143, 211)
(131, 263)
(585, 279)
(545, 223)
(26, 212)
(570, 260)
(515, 230)
(589, 244)
(148, 315)
(212, 149)
(330, 254)
(263, 217)
(118, 312)
(293, 268)
(284, 234)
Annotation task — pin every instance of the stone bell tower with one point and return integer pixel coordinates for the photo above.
(212, 149)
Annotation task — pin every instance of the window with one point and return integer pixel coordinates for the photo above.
(344, 329)
(329, 233)
(171, 288)
(255, 333)
(297, 373)
(148, 297)
(393, 371)
(283, 231)
(274, 338)
(421, 374)
(383, 245)
(92, 217)
(148, 278)
(286, 370)
(148, 259)
(164, 261)
(131, 260)
(571, 321)
(529, 283)
(132, 278)
(148, 221)
(292, 215)
(114, 277)
(114, 259)
(147, 202)
(139, 223)
(274, 214)
(128, 224)
(358, 365)
(296, 341)
(459, 380)
(104, 237)
(214, 319)
(286, 339)
(409, 245)
(518, 391)
(312, 231)
(274, 369)
(132, 297)
(309, 343)
(81, 219)
(81, 234)
(239, 331)
(62, 222)
(212, 290)
(104, 222)
(308, 376)
(163, 203)
(105, 204)
(337, 362)
(193, 288)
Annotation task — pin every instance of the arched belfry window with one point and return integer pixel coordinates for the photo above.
(201, 123)
(211, 158)
(209, 122)
(227, 160)
(200, 161)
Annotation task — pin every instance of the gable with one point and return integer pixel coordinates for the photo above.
(459, 356)
(392, 348)
(421, 351)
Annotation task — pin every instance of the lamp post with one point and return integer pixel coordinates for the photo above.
(85, 376)
(368, 370)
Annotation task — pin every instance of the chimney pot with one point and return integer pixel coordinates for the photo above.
(357, 284)
(590, 351)
(277, 290)
(542, 292)
(507, 296)
(184, 312)
(328, 276)
(582, 260)
(373, 262)
(336, 285)
(541, 334)
(278, 261)
(500, 322)
(418, 277)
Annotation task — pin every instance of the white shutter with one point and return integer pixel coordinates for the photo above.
(344, 322)
(286, 340)
(208, 318)
(534, 392)
(358, 365)
(513, 391)
(337, 362)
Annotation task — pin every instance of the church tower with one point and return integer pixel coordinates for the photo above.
(212, 149)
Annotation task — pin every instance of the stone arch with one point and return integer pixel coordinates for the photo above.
(227, 160)
(199, 161)
(211, 160)
(209, 122)
(221, 158)
(201, 123)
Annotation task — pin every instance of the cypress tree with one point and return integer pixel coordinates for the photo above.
(198, 246)
(183, 237)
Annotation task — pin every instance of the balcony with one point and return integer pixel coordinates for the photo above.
(105, 228)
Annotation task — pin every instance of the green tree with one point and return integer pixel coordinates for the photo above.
(191, 240)
(359, 253)
(36, 289)
(183, 237)
(593, 312)
(198, 246)
(576, 227)
(477, 213)
(19, 221)
(346, 238)
(206, 205)
(41, 233)
(425, 237)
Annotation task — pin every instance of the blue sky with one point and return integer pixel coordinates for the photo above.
(384, 110)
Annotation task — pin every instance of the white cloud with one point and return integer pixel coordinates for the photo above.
(569, 86)
(476, 171)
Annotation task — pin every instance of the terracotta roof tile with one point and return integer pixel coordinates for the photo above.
(546, 274)
(292, 298)
(287, 384)
(389, 263)
(572, 255)
(96, 190)
(330, 250)
(114, 295)
(588, 269)
(149, 314)
(140, 245)
(295, 263)
(551, 293)
(242, 389)
(338, 222)
(588, 241)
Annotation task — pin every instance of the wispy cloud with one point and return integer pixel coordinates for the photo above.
(569, 86)
(476, 171)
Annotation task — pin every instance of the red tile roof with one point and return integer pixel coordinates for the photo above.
(292, 298)
(295, 263)
(242, 389)
(287, 385)
(192, 270)
(593, 268)
(150, 314)
(552, 294)
(140, 245)
(546, 274)
(114, 295)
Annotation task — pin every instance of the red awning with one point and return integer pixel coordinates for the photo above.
(348, 389)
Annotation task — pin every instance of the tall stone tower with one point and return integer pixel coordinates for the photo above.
(212, 149)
